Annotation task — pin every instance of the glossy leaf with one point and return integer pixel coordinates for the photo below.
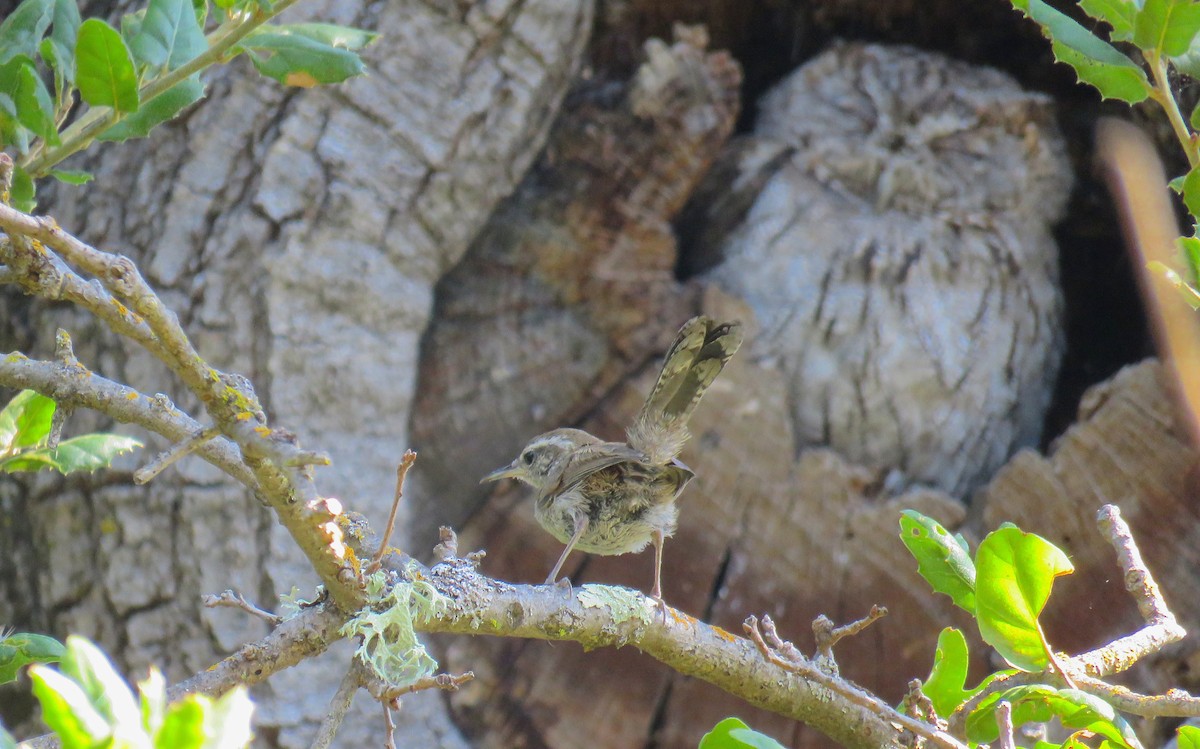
(296, 60)
(23, 193)
(946, 685)
(942, 559)
(109, 694)
(23, 29)
(22, 648)
(104, 68)
(1187, 290)
(1119, 14)
(1191, 191)
(342, 37)
(156, 111)
(25, 421)
(1189, 248)
(89, 452)
(152, 700)
(227, 721)
(183, 726)
(64, 34)
(169, 35)
(732, 733)
(1038, 703)
(1168, 26)
(1014, 573)
(1095, 61)
(34, 109)
(1189, 737)
(72, 176)
(67, 710)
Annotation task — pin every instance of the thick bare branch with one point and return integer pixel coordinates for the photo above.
(75, 386)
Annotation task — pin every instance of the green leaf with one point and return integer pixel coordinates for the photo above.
(34, 107)
(183, 728)
(343, 37)
(1014, 572)
(72, 177)
(1189, 248)
(23, 648)
(227, 721)
(21, 32)
(12, 132)
(296, 60)
(153, 701)
(169, 35)
(103, 67)
(201, 9)
(87, 453)
(1038, 703)
(1118, 14)
(63, 36)
(131, 25)
(22, 196)
(1191, 192)
(1187, 291)
(67, 710)
(1189, 737)
(25, 421)
(156, 111)
(90, 452)
(6, 739)
(1095, 61)
(732, 733)
(946, 685)
(943, 560)
(107, 691)
(1166, 25)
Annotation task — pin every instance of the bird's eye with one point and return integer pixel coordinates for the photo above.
(527, 458)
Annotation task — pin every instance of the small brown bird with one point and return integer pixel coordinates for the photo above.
(612, 498)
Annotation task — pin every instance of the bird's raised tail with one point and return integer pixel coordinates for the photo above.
(692, 363)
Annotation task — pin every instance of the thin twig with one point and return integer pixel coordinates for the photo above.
(406, 462)
(1119, 655)
(828, 635)
(237, 601)
(390, 726)
(1004, 719)
(388, 693)
(168, 457)
(850, 691)
(918, 705)
(157, 414)
(338, 707)
(1161, 628)
(64, 352)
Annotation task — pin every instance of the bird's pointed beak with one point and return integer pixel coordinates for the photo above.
(510, 471)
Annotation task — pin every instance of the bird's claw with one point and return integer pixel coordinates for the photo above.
(563, 584)
(662, 606)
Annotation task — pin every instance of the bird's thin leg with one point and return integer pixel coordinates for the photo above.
(656, 591)
(581, 523)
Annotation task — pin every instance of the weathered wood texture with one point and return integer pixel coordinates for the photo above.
(571, 284)
(299, 234)
(889, 220)
(759, 532)
(764, 532)
(1129, 448)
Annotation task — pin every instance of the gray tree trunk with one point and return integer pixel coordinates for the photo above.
(299, 235)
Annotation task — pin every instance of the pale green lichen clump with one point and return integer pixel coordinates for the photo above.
(389, 641)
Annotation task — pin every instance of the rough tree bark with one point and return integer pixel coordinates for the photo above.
(299, 235)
